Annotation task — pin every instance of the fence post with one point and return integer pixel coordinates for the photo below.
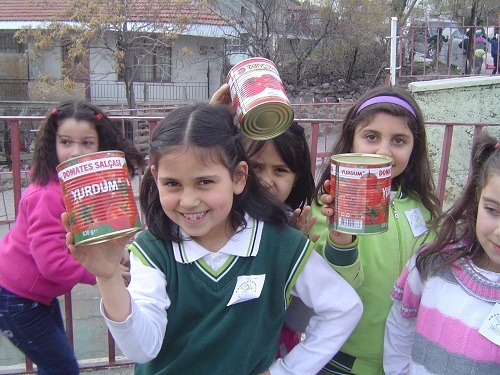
(394, 43)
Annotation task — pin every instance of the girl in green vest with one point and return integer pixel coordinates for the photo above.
(213, 275)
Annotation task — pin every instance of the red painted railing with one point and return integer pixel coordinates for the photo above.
(321, 133)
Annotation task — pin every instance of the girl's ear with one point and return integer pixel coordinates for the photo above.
(154, 172)
(240, 177)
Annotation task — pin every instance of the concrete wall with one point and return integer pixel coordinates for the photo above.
(457, 100)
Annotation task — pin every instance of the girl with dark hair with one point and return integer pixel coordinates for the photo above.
(36, 266)
(384, 121)
(212, 277)
(283, 165)
(446, 301)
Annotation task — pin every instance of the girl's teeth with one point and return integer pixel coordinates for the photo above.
(194, 216)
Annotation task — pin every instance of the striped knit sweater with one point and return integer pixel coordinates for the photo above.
(449, 308)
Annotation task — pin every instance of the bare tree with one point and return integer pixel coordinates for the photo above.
(312, 25)
(286, 31)
(402, 9)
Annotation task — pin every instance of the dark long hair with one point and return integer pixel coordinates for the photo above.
(110, 138)
(208, 131)
(416, 180)
(293, 148)
(456, 227)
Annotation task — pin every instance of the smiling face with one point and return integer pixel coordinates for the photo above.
(75, 138)
(488, 222)
(273, 172)
(385, 135)
(198, 195)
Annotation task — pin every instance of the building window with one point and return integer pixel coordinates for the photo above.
(9, 45)
(154, 66)
(239, 45)
(75, 68)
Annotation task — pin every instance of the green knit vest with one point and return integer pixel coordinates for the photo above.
(203, 335)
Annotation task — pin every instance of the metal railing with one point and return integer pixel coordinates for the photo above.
(422, 53)
(321, 133)
(110, 91)
(114, 91)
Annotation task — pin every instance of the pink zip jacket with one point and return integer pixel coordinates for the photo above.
(35, 261)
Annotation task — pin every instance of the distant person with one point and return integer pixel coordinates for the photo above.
(36, 266)
(438, 37)
(479, 50)
(436, 41)
(464, 59)
(213, 275)
(494, 53)
(446, 313)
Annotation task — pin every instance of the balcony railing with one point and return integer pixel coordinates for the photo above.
(112, 91)
(102, 91)
(321, 134)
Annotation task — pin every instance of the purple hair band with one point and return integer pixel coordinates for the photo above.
(387, 99)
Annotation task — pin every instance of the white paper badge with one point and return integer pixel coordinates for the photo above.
(491, 326)
(417, 221)
(247, 287)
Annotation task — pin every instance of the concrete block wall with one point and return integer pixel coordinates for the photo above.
(457, 100)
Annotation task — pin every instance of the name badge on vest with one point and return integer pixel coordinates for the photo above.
(491, 326)
(247, 287)
(417, 221)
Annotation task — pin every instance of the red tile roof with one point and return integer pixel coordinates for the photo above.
(31, 10)
(48, 10)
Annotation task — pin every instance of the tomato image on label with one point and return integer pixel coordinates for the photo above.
(118, 217)
(360, 185)
(369, 180)
(372, 195)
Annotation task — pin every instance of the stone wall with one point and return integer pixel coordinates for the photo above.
(469, 100)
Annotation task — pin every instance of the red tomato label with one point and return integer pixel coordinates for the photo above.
(256, 87)
(98, 196)
(361, 197)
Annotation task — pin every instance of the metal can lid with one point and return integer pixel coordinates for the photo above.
(362, 159)
(267, 120)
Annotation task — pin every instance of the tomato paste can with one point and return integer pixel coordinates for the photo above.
(262, 108)
(361, 187)
(98, 196)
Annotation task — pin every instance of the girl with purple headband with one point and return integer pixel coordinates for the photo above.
(385, 121)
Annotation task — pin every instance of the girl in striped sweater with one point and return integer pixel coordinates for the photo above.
(446, 313)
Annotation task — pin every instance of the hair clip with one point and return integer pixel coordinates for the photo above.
(99, 116)
(497, 146)
(55, 111)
